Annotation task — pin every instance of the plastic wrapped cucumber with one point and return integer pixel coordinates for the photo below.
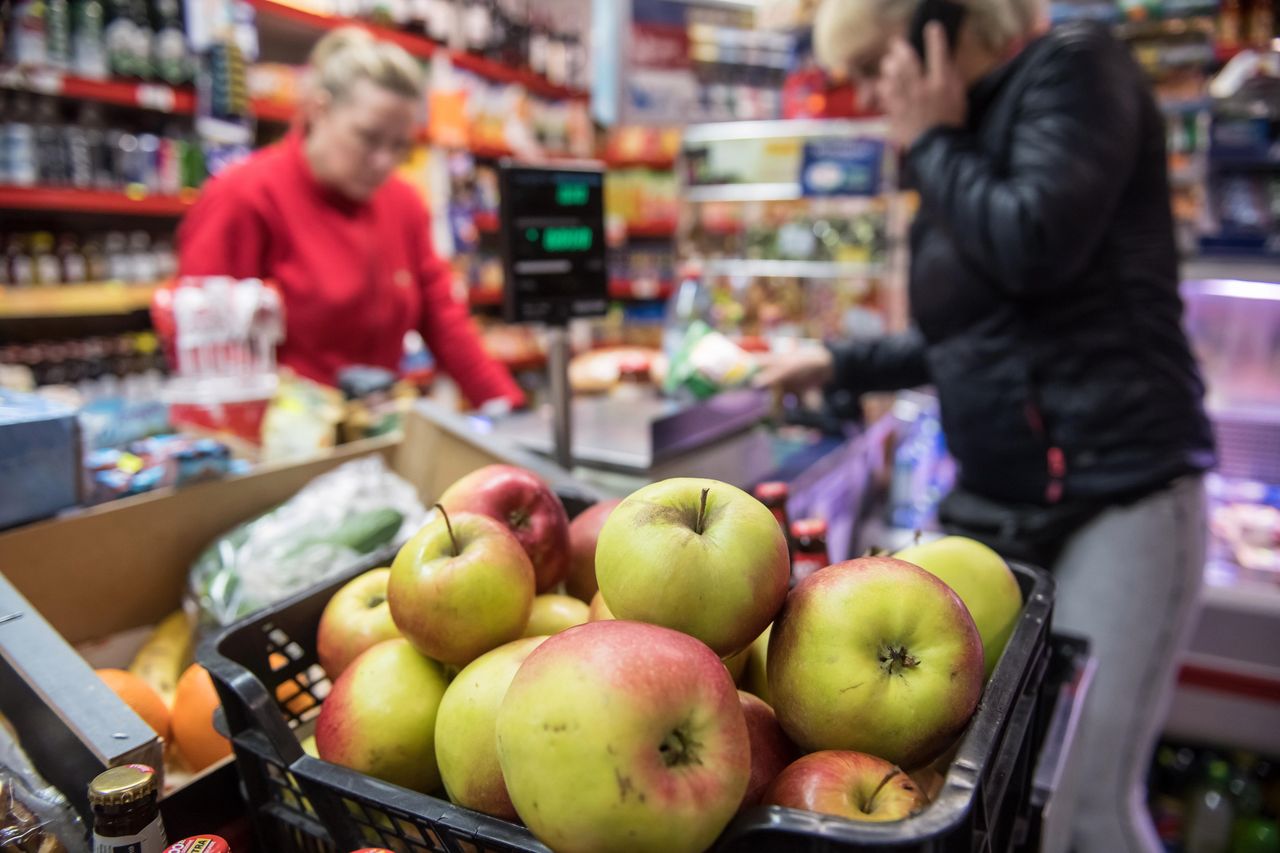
(323, 530)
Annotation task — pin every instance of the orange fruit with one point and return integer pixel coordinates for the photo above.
(139, 696)
(194, 702)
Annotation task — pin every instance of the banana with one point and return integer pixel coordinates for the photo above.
(165, 655)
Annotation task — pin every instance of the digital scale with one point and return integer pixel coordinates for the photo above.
(551, 221)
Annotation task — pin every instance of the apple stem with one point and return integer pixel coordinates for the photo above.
(871, 801)
(453, 540)
(916, 539)
(702, 512)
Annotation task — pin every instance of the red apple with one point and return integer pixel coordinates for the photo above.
(380, 716)
(460, 587)
(527, 506)
(583, 533)
(771, 749)
(599, 611)
(875, 654)
(851, 785)
(623, 736)
(355, 619)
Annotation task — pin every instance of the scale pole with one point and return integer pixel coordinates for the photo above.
(561, 396)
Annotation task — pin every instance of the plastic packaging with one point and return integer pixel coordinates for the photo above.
(34, 816)
(319, 533)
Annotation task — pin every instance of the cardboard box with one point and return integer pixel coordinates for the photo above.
(121, 566)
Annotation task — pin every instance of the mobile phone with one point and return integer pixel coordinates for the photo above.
(946, 12)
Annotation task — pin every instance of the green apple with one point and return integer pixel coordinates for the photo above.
(356, 618)
(755, 679)
(380, 716)
(875, 655)
(984, 583)
(461, 586)
(851, 785)
(623, 737)
(553, 613)
(698, 556)
(466, 740)
(599, 611)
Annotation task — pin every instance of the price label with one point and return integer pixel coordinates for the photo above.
(153, 96)
(45, 81)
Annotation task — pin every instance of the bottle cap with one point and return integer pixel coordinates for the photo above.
(200, 844)
(129, 783)
(808, 528)
(772, 491)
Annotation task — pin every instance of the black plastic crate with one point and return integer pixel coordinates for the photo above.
(299, 803)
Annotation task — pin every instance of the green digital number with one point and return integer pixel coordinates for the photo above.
(572, 195)
(567, 239)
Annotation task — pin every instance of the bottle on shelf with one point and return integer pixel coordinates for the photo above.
(774, 495)
(48, 272)
(88, 39)
(57, 22)
(1262, 24)
(126, 814)
(18, 260)
(26, 36)
(169, 56)
(75, 270)
(51, 162)
(810, 536)
(20, 144)
(1211, 813)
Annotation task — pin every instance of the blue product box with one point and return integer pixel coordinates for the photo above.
(39, 458)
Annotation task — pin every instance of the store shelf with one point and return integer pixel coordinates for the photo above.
(419, 46)
(658, 162)
(77, 300)
(640, 291)
(124, 93)
(529, 362)
(94, 201)
(790, 269)
(744, 192)
(484, 298)
(275, 111)
(651, 230)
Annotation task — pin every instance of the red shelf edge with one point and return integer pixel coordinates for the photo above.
(424, 48)
(651, 229)
(91, 201)
(119, 92)
(486, 223)
(659, 163)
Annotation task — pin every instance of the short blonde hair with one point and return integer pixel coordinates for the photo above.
(844, 30)
(348, 54)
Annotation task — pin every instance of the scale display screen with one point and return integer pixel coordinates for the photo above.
(553, 243)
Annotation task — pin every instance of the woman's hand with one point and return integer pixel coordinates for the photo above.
(801, 369)
(916, 100)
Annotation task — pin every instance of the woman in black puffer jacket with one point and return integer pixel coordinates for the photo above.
(1045, 307)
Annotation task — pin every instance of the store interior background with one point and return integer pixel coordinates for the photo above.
(101, 153)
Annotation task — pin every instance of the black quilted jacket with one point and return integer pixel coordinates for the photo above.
(1044, 285)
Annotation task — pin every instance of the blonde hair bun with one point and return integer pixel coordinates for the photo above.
(351, 53)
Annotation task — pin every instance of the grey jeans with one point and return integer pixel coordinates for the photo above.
(1130, 582)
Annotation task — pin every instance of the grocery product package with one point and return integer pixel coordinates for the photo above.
(707, 363)
(34, 816)
(322, 531)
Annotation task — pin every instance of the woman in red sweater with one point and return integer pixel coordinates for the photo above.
(321, 215)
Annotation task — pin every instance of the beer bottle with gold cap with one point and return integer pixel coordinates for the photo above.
(126, 811)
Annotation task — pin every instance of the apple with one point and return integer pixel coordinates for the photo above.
(875, 654)
(755, 680)
(355, 619)
(623, 736)
(698, 556)
(551, 614)
(736, 663)
(380, 716)
(461, 586)
(929, 781)
(984, 583)
(583, 533)
(527, 506)
(599, 611)
(851, 785)
(466, 743)
(771, 749)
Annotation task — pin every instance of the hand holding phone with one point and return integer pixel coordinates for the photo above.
(948, 13)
